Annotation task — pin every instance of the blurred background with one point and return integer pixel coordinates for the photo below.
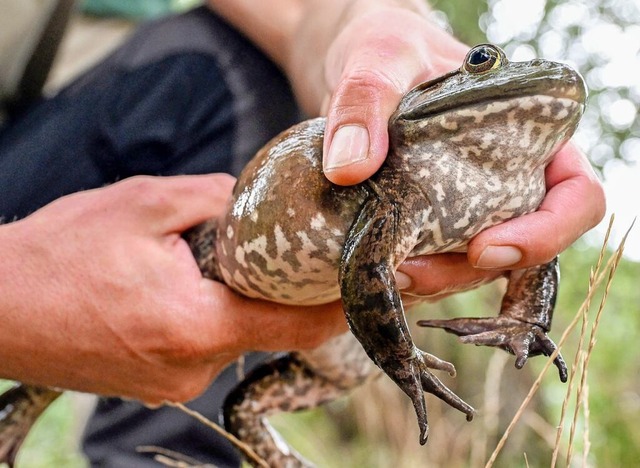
(376, 426)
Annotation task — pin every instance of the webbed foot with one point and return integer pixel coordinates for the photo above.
(512, 335)
(373, 306)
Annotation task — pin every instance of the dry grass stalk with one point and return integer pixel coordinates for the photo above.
(595, 280)
(490, 408)
(592, 341)
(170, 458)
(586, 441)
(579, 404)
(241, 446)
(583, 329)
(577, 361)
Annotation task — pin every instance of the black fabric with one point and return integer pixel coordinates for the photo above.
(165, 118)
(186, 94)
(119, 427)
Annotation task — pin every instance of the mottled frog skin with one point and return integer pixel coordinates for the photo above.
(468, 151)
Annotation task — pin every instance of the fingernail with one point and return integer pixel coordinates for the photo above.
(403, 281)
(350, 144)
(499, 256)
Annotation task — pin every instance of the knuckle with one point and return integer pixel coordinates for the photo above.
(540, 250)
(226, 180)
(362, 88)
(599, 208)
(142, 191)
(138, 185)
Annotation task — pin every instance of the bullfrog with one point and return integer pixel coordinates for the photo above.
(468, 151)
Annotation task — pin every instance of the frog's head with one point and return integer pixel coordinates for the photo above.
(526, 109)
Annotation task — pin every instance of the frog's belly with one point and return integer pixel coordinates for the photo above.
(297, 268)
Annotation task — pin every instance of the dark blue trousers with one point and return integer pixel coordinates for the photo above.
(184, 95)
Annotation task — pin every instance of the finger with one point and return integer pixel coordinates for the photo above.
(256, 325)
(440, 274)
(367, 78)
(197, 199)
(574, 203)
(174, 204)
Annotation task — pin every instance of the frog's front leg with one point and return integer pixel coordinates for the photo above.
(374, 310)
(524, 320)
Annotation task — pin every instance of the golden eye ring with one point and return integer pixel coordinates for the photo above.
(482, 58)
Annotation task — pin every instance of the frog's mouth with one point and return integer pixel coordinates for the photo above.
(457, 90)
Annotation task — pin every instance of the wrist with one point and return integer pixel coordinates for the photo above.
(19, 301)
(269, 25)
(330, 39)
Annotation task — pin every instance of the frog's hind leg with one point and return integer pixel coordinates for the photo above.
(288, 383)
(374, 308)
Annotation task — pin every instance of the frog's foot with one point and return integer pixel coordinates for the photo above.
(414, 378)
(431, 384)
(512, 335)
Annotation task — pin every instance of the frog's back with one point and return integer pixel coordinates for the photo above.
(282, 237)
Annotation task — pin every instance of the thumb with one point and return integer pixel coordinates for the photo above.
(367, 74)
(356, 138)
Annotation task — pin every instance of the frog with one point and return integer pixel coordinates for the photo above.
(467, 151)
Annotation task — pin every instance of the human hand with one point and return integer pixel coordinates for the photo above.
(100, 293)
(355, 66)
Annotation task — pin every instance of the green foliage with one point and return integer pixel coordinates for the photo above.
(463, 18)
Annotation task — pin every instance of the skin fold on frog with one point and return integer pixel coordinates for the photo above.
(468, 151)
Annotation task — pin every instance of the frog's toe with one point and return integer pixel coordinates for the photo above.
(465, 326)
(433, 362)
(542, 344)
(519, 338)
(431, 384)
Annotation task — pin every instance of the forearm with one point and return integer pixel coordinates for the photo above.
(270, 25)
(297, 34)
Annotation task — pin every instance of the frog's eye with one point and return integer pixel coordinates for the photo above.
(483, 58)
